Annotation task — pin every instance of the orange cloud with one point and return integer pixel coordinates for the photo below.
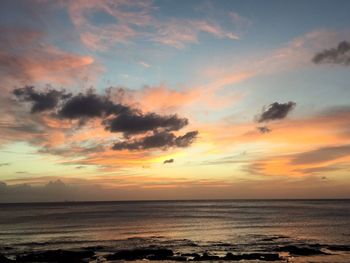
(279, 152)
(161, 98)
(164, 99)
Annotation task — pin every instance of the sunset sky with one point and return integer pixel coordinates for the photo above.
(125, 100)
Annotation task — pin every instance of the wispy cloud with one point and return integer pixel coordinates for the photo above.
(323, 154)
(144, 64)
(131, 20)
(178, 33)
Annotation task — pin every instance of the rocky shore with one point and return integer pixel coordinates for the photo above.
(278, 253)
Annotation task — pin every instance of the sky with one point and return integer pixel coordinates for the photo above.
(149, 100)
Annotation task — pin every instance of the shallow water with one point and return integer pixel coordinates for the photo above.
(186, 226)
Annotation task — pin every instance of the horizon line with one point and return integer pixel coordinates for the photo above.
(173, 200)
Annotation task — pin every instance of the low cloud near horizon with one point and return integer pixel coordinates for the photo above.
(58, 191)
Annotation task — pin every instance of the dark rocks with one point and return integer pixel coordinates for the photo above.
(142, 253)
(178, 258)
(94, 248)
(6, 248)
(4, 259)
(172, 258)
(300, 251)
(156, 253)
(206, 256)
(230, 256)
(59, 256)
(238, 257)
(338, 247)
(253, 256)
(270, 256)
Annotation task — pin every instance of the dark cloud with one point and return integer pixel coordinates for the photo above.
(186, 140)
(133, 123)
(168, 161)
(115, 117)
(41, 101)
(157, 140)
(4, 164)
(118, 117)
(161, 140)
(275, 111)
(322, 155)
(90, 105)
(264, 129)
(338, 55)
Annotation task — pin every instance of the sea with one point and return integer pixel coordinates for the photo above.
(212, 226)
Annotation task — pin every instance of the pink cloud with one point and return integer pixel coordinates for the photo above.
(178, 33)
(25, 58)
(163, 98)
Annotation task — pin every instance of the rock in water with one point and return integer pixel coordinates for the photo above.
(142, 253)
(60, 256)
(4, 259)
(338, 247)
(300, 251)
(253, 256)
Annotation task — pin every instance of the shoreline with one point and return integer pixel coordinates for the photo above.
(277, 249)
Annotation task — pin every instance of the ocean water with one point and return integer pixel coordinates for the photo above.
(184, 226)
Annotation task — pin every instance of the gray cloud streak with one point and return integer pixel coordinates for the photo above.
(338, 55)
(275, 111)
